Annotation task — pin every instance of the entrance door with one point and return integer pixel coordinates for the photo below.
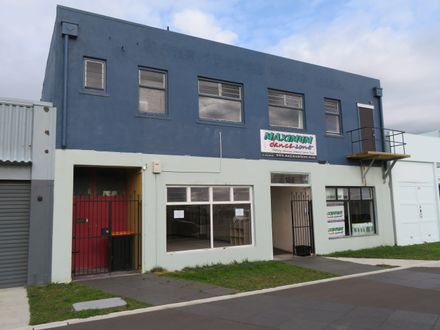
(367, 137)
(106, 234)
(302, 224)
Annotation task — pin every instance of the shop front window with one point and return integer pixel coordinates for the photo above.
(350, 211)
(208, 217)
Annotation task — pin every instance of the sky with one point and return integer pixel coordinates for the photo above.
(395, 41)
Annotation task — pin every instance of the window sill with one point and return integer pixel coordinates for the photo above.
(286, 129)
(220, 123)
(214, 249)
(93, 92)
(152, 116)
(337, 136)
(345, 237)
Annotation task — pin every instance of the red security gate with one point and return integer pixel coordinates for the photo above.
(106, 234)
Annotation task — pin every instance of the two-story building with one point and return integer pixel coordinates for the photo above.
(175, 151)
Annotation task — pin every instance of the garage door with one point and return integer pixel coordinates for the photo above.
(14, 232)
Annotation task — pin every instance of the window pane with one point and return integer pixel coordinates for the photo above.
(289, 178)
(284, 117)
(151, 100)
(241, 194)
(232, 225)
(94, 74)
(199, 194)
(151, 79)
(294, 101)
(342, 194)
(232, 91)
(355, 193)
(330, 194)
(221, 194)
(219, 109)
(331, 106)
(362, 218)
(367, 193)
(285, 99)
(188, 227)
(332, 124)
(176, 194)
(276, 98)
(209, 87)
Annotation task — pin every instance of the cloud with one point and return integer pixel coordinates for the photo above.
(382, 42)
(200, 24)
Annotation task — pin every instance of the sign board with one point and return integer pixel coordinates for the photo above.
(179, 214)
(336, 221)
(288, 145)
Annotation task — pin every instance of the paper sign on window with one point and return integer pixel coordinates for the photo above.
(179, 214)
(239, 212)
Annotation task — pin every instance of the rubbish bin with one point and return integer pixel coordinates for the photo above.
(303, 250)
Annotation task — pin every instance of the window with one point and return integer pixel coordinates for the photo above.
(281, 178)
(94, 74)
(208, 217)
(332, 116)
(152, 89)
(350, 211)
(285, 109)
(220, 101)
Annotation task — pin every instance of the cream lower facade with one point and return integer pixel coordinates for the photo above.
(194, 171)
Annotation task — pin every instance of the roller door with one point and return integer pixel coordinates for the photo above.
(14, 232)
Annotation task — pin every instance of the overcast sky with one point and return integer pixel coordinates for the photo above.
(397, 42)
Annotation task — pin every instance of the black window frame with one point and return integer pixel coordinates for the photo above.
(240, 100)
(338, 115)
(302, 110)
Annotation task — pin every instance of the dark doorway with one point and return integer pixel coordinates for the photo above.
(302, 224)
(367, 129)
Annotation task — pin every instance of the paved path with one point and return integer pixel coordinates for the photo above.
(14, 310)
(399, 299)
(391, 262)
(156, 290)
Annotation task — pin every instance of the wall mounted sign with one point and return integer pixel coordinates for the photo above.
(285, 144)
(336, 221)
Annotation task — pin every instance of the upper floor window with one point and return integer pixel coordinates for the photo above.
(94, 73)
(220, 101)
(286, 109)
(332, 116)
(152, 89)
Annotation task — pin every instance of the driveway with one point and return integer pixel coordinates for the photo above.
(401, 299)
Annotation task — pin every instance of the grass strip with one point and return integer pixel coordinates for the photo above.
(53, 302)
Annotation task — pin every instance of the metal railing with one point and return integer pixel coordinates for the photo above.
(377, 139)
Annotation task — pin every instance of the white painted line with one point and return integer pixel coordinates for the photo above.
(209, 300)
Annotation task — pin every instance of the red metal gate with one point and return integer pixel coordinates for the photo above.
(106, 234)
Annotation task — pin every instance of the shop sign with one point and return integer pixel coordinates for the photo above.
(290, 145)
(336, 221)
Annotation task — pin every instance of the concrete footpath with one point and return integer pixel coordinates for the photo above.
(14, 308)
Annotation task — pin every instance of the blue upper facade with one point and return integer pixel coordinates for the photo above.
(110, 120)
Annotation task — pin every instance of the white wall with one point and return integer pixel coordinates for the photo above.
(186, 170)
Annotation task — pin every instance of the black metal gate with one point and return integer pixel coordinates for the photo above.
(302, 224)
(106, 234)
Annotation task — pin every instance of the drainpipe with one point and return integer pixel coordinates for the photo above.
(68, 30)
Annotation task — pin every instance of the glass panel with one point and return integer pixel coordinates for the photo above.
(94, 74)
(209, 87)
(367, 193)
(199, 194)
(219, 109)
(221, 194)
(342, 194)
(284, 117)
(289, 178)
(294, 101)
(331, 106)
(151, 79)
(188, 227)
(241, 194)
(232, 91)
(151, 100)
(276, 98)
(362, 218)
(330, 194)
(232, 225)
(332, 124)
(176, 194)
(355, 193)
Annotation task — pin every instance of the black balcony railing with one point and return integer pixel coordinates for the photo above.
(365, 139)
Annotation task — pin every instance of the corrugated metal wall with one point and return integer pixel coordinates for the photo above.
(15, 132)
(14, 232)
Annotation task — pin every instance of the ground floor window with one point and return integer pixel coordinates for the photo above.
(350, 211)
(208, 217)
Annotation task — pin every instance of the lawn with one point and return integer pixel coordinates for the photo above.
(53, 302)
(427, 251)
(248, 276)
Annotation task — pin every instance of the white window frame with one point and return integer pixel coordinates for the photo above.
(285, 94)
(103, 81)
(338, 115)
(211, 203)
(164, 89)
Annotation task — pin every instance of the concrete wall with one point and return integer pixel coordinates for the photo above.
(210, 171)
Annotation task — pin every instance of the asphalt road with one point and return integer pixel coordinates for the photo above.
(403, 299)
